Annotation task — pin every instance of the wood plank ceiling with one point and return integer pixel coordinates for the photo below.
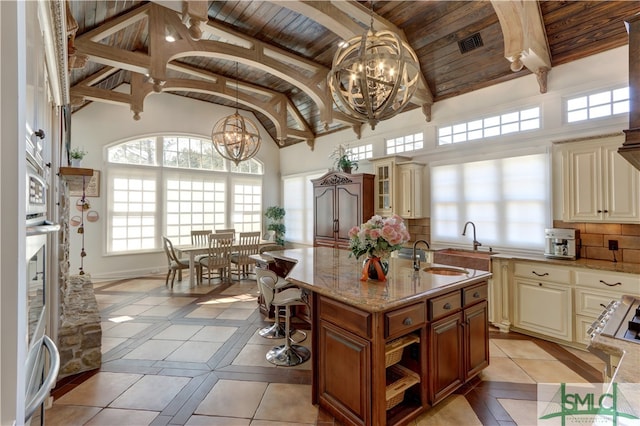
(278, 53)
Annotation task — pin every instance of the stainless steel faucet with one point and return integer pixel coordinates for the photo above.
(476, 243)
(416, 259)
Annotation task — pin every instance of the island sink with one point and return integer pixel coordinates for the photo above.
(464, 258)
(445, 270)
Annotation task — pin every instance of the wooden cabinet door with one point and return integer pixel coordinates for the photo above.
(622, 184)
(348, 209)
(324, 203)
(410, 180)
(344, 372)
(476, 339)
(384, 181)
(543, 307)
(446, 336)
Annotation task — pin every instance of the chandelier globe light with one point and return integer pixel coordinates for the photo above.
(374, 76)
(235, 137)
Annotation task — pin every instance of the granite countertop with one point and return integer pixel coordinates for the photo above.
(628, 352)
(331, 272)
(604, 265)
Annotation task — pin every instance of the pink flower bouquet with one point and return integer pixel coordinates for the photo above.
(378, 237)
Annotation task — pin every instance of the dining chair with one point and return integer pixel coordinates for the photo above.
(248, 244)
(200, 237)
(225, 231)
(176, 264)
(217, 259)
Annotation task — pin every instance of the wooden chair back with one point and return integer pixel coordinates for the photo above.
(200, 237)
(226, 231)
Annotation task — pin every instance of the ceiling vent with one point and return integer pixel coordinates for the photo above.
(470, 43)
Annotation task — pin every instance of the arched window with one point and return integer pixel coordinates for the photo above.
(169, 185)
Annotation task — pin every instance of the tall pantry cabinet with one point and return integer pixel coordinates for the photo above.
(340, 202)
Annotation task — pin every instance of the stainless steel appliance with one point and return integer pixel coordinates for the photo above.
(562, 243)
(620, 320)
(43, 361)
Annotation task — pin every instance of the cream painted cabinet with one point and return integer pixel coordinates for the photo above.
(385, 180)
(599, 185)
(410, 185)
(542, 300)
(399, 184)
(594, 289)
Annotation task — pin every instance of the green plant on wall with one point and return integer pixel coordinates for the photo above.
(275, 214)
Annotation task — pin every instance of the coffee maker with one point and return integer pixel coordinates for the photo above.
(562, 243)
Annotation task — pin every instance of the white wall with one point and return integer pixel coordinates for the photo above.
(100, 124)
(13, 345)
(569, 79)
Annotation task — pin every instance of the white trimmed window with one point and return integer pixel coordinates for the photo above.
(298, 204)
(247, 205)
(361, 152)
(507, 199)
(497, 125)
(406, 143)
(597, 105)
(169, 185)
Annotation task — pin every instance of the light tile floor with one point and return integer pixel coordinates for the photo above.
(192, 356)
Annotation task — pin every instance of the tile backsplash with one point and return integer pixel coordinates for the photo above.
(595, 239)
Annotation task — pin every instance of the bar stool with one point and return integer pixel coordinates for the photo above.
(286, 355)
(275, 330)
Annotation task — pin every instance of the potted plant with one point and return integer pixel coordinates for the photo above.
(76, 155)
(341, 160)
(276, 214)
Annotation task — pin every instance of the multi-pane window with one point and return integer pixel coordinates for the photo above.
(132, 213)
(360, 152)
(298, 203)
(191, 153)
(193, 202)
(141, 151)
(596, 105)
(173, 184)
(503, 124)
(507, 199)
(406, 143)
(247, 206)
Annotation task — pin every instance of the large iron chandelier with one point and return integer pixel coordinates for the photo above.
(235, 137)
(374, 76)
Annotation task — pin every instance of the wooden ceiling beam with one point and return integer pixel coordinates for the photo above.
(525, 37)
(338, 17)
(300, 72)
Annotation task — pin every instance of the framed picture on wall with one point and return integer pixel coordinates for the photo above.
(92, 186)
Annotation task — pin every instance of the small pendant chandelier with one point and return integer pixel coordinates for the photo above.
(374, 76)
(235, 137)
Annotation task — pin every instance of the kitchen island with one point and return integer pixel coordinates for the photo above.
(384, 352)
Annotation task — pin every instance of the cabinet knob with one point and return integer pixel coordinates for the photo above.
(476, 295)
(447, 305)
(407, 321)
(540, 284)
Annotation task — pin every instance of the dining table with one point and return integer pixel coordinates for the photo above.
(193, 250)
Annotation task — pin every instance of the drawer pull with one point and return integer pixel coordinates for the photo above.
(407, 321)
(447, 305)
(610, 285)
(540, 275)
(602, 304)
(540, 284)
(476, 295)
